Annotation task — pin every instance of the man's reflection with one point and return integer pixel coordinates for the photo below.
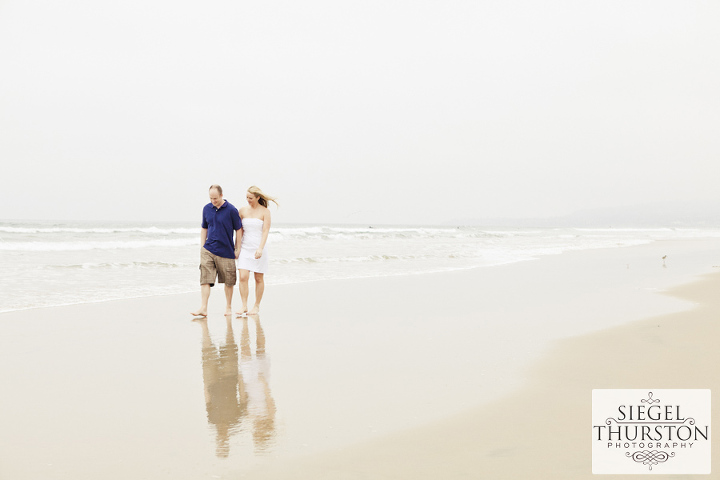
(225, 396)
(238, 398)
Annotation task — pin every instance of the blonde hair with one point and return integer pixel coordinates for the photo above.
(263, 198)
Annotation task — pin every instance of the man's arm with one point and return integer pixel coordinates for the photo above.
(203, 236)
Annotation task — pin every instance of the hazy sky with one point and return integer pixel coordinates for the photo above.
(356, 111)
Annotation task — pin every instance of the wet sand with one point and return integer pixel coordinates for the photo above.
(398, 377)
(542, 430)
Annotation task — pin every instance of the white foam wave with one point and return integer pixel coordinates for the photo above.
(81, 246)
(363, 258)
(147, 230)
(616, 230)
(147, 256)
(119, 265)
(347, 233)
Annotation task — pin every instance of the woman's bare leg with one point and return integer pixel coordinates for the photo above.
(243, 276)
(259, 289)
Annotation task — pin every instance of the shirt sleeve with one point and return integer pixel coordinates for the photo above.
(237, 221)
(204, 223)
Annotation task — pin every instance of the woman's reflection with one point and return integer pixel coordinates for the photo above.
(256, 373)
(238, 399)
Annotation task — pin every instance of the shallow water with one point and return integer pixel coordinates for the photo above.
(51, 263)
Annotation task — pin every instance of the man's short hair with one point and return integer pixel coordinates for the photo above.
(216, 187)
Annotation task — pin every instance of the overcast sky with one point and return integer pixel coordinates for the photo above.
(356, 111)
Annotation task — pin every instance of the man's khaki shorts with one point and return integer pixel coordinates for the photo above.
(212, 266)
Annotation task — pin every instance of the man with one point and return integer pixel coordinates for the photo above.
(218, 253)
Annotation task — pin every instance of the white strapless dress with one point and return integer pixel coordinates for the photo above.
(252, 236)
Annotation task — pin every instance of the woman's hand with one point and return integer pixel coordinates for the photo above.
(258, 253)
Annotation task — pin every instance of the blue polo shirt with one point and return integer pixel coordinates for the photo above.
(221, 224)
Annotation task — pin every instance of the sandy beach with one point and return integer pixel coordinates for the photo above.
(483, 373)
(482, 216)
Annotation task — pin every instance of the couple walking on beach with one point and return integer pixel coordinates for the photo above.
(228, 234)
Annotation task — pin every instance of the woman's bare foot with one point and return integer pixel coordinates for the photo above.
(242, 311)
(199, 313)
(255, 310)
(228, 312)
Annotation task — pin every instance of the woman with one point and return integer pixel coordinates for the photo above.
(253, 257)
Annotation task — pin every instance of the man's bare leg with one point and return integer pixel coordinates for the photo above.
(243, 276)
(259, 289)
(228, 298)
(204, 295)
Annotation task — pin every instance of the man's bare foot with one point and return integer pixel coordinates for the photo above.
(228, 312)
(255, 310)
(241, 312)
(199, 313)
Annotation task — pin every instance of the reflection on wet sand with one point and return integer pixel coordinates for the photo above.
(256, 373)
(237, 394)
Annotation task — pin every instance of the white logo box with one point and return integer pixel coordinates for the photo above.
(651, 431)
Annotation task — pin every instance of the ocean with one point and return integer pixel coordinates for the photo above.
(48, 264)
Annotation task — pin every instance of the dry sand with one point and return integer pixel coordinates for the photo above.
(482, 373)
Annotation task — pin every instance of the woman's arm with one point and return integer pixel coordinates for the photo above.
(266, 231)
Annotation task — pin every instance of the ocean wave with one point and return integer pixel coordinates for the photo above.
(628, 230)
(152, 260)
(147, 230)
(354, 234)
(119, 265)
(372, 258)
(81, 246)
(346, 259)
